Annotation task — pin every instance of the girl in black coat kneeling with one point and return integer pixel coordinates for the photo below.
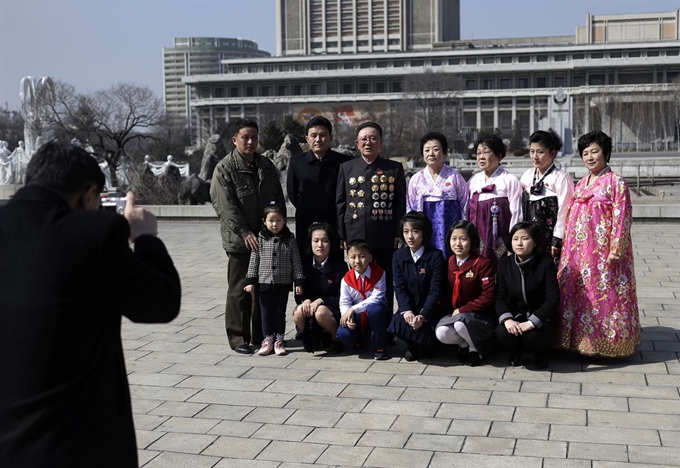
(527, 297)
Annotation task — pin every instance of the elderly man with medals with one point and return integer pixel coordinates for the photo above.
(371, 200)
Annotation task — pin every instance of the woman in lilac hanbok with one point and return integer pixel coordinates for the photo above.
(495, 198)
(598, 300)
(439, 191)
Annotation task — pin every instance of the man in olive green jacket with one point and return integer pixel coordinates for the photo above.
(243, 184)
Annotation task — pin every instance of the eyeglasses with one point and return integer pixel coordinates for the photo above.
(485, 153)
(363, 141)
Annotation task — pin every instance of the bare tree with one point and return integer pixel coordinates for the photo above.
(111, 121)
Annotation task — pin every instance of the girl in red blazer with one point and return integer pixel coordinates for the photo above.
(472, 279)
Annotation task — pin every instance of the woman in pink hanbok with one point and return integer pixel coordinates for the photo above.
(598, 301)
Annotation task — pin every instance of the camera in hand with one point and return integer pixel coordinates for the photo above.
(114, 202)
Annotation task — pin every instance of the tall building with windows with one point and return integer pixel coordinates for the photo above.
(198, 56)
(307, 27)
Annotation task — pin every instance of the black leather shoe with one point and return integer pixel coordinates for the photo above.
(514, 361)
(475, 359)
(542, 362)
(243, 349)
(411, 352)
(337, 347)
(463, 355)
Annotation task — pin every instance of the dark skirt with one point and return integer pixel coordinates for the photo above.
(543, 212)
(423, 336)
(480, 326)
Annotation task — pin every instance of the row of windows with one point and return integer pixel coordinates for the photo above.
(576, 79)
(310, 89)
(435, 62)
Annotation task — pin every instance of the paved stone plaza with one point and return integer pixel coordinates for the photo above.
(198, 404)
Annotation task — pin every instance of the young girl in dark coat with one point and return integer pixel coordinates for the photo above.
(472, 280)
(527, 297)
(419, 280)
(275, 266)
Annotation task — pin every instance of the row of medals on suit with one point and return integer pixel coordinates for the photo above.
(381, 184)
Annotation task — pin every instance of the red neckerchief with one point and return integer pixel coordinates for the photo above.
(352, 280)
(457, 283)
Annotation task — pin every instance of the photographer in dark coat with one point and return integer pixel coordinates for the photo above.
(67, 276)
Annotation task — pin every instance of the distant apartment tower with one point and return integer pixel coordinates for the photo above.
(198, 56)
(308, 27)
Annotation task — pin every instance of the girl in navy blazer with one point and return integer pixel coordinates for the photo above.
(419, 281)
(472, 280)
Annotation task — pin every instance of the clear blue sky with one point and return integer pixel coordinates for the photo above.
(93, 44)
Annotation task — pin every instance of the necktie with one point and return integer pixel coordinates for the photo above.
(456, 288)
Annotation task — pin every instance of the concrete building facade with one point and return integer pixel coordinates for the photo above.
(617, 73)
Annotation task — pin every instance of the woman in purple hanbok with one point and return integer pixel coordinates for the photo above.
(598, 300)
(495, 198)
(439, 191)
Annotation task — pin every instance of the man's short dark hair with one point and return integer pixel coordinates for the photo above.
(64, 168)
(377, 127)
(244, 123)
(436, 136)
(360, 244)
(319, 121)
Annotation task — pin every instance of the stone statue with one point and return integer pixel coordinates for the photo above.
(34, 94)
(6, 169)
(195, 191)
(289, 148)
(20, 158)
(348, 150)
(214, 152)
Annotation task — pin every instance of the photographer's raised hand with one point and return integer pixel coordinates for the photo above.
(141, 221)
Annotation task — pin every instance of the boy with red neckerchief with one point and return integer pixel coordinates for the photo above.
(362, 301)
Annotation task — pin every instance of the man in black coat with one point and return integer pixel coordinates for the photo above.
(312, 178)
(67, 276)
(371, 200)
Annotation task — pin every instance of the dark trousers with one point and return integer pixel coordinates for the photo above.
(273, 309)
(376, 319)
(383, 257)
(536, 341)
(243, 309)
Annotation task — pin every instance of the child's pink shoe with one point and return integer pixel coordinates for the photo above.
(266, 348)
(279, 348)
